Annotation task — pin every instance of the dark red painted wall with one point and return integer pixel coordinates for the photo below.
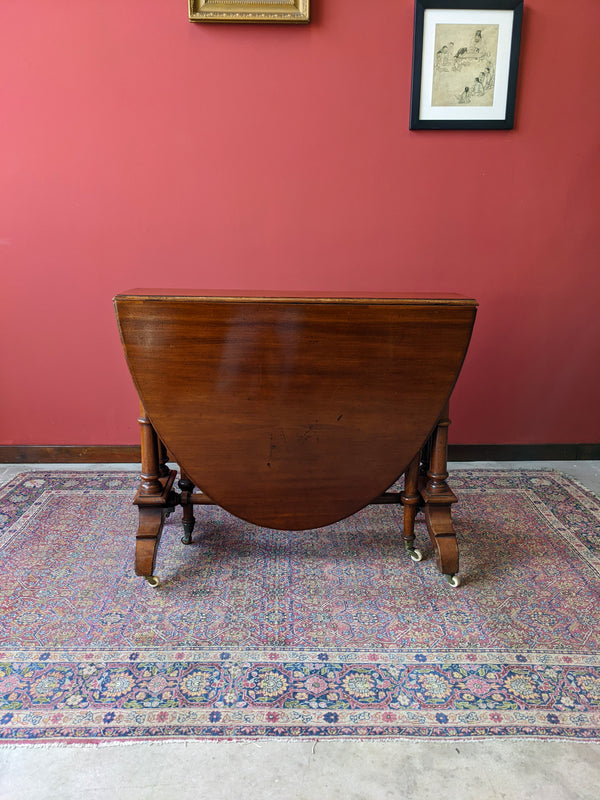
(139, 149)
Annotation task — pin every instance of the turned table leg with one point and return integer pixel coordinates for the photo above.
(187, 487)
(438, 499)
(411, 500)
(152, 498)
(163, 457)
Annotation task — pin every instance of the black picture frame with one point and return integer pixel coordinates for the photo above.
(446, 93)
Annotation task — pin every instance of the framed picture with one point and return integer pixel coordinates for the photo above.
(246, 11)
(465, 60)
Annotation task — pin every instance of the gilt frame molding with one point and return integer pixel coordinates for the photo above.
(249, 11)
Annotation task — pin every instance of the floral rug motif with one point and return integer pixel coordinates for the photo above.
(322, 633)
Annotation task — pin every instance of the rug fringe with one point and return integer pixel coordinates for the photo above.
(260, 740)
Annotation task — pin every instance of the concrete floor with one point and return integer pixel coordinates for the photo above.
(302, 770)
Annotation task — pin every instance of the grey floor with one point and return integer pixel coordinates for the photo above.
(302, 770)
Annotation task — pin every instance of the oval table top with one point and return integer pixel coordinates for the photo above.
(293, 411)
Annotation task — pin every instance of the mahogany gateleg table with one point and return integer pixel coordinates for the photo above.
(293, 411)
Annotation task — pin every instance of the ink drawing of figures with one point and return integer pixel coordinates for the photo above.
(464, 64)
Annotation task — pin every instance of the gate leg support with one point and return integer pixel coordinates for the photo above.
(438, 499)
(153, 499)
(187, 487)
(411, 501)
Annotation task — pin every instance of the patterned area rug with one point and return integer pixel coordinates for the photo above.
(325, 633)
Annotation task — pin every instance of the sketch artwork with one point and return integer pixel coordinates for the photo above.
(465, 65)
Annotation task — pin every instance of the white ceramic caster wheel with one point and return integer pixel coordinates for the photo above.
(416, 554)
(153, 580)
(453, 580)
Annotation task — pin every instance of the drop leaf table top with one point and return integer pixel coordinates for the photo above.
(293, 410)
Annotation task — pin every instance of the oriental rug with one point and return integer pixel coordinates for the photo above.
(325, 633)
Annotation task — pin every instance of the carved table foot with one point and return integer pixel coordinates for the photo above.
(152, 512)
(438, 499)
(443, 537)
(147, 539)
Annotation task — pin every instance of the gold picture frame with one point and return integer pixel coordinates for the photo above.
(246, 11)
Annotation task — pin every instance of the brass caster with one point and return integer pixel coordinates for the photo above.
(453, 580)
(413, 552)
(153, 580)
(188, 527)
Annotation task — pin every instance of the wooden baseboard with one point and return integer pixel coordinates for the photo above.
(524, 452)
(130, 453)
(69, 454)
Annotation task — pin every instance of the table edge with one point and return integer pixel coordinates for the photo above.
(271, 296)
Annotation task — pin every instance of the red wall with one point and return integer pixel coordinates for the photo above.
(139, 149)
